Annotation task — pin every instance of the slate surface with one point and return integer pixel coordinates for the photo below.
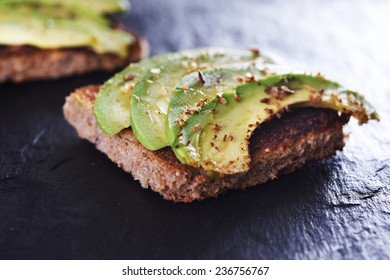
(62, 199)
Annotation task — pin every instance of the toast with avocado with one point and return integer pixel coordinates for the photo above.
(193, 124)
(43, 39)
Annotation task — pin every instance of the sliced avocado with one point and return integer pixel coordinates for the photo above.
(53, 26)
(197, 89)
(217, 137)
(112, 105)
(98, 6)
(150, 97)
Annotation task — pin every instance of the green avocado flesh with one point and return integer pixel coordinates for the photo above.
(112, 105)
(98, 6)
(151, 95)
(206, 103)
(53, 26)
(216, 138)
(198, 88)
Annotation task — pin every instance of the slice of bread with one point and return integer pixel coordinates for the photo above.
(278, 147)
(24, 63)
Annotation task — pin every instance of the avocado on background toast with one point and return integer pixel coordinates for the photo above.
(42, 39)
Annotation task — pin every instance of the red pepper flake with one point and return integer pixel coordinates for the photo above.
(255, 51)
(221, 99)
(217, 127)
(191, 111)
(240, 79)
(279, 93)
(274, 92)
(201, 77)
(180, 123)
(270, 90)
(269, 111)
(196, 128)
(201, 103)
(128, 77)
(236, 98)
(212, 143)
(249, 77)
(227, 137)
(267, 101)
(179, 134)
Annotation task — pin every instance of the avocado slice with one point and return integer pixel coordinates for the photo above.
(53, 26)
(217, 137)
(151, 95)
(98, 6)
(112, 105)
(198, 88)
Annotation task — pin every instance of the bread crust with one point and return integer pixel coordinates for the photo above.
(25, 63)
(278, 147)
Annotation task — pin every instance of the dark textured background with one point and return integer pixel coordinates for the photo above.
(61, 198)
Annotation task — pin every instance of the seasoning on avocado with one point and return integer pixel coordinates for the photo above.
(207, 115)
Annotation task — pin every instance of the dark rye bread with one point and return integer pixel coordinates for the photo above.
(278, 147)
(24, 63)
